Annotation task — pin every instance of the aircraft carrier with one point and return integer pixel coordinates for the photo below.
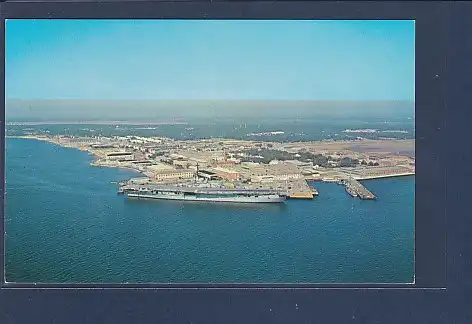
(204, 194)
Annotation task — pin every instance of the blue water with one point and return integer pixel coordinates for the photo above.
(65, 223)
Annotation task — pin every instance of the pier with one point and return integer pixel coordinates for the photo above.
(356, 189)
(300, 189)
(380, 172)
(382, 176)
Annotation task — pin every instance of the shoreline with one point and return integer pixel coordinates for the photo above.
(97, 159)
(93, 163)
(310, 142)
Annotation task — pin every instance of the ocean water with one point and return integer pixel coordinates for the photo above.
(66, 224)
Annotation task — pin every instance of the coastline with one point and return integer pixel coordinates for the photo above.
(99, 158)
(96, 158)
(288, 144)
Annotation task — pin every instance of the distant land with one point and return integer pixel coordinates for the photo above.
(149, 111)
(95, 122)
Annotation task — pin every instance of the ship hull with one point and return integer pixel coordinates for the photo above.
(234, 199)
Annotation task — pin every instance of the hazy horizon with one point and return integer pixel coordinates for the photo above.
(18, 110)
(156, 70)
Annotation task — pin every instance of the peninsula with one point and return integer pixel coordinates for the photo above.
(247, 164)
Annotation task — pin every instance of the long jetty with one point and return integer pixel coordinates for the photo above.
(356, 189)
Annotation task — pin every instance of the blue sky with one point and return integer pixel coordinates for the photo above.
(209, 59)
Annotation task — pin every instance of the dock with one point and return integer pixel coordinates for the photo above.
(382, 176)
(300, 189)
(380, 172)
(356, 189)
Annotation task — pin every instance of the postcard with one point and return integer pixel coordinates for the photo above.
(210, 151)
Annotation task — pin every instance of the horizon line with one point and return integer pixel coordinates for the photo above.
(93, 122)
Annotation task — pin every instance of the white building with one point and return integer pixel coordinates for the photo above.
(120, 156)
(276, 177)
(174, 174)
